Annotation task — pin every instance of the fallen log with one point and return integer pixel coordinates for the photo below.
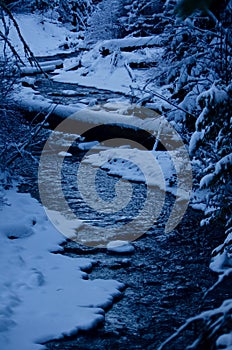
(36, 70)
(97, 123)
(46, 66)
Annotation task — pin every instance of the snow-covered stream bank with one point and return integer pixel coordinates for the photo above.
(43, 295)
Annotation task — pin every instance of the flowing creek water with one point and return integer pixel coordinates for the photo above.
(165, 278)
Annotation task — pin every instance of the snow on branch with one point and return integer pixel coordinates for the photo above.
(222, 166)
(213, 96)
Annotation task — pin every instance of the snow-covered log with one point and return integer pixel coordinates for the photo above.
(44, 67)
(129, 44)
(36, 70)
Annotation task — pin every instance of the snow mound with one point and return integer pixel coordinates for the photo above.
(43, 295)
(156, 168)
(64, 154)
(120, 247)
(85, 146)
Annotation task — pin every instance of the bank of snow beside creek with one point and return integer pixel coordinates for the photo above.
(43, 296)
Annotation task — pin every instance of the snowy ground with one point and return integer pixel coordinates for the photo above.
(107, 65)
(43, 34)
(42, 295)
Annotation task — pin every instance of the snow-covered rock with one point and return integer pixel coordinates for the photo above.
(84, 146)
(64, 154)
(120, 247)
